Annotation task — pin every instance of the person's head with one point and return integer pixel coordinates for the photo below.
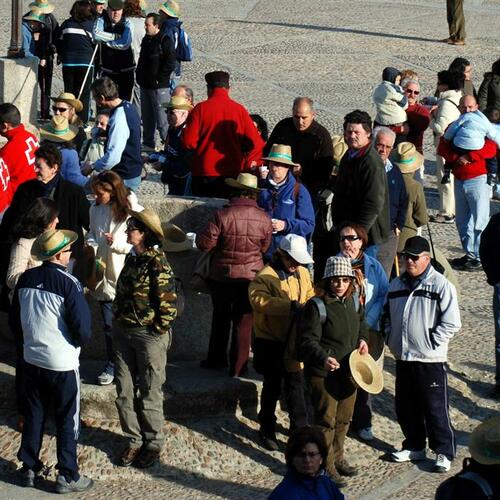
(353, 239)
(169, 9)
(468, 104)
(391, 75)
(493, 114)
(115, 10)
(303, 113)
(279, 161)
(54, 245)
(408, 74)
(10, 117)
(98, 7)
(244, 186)
(449, 80)
(495, 67)
(152, 24)
(41, 215)
(412, 90)
(217, 80)
(462, 66)
(338, 276)
(66, 105)
(384, 139)
(261, 126)
(293, 252)
(47, 162)
(177, 111)
(132, 8)
(105, 92)
(144, 230)
(357, 129)
(484, 443)
(35, 19)
(109, 189)
(102, 119)
(306, 451)
(184, 91)
(81, 11)
(417, 255)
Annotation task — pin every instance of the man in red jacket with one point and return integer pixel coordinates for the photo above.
(223, 139)
(417, 115)
(19, 152)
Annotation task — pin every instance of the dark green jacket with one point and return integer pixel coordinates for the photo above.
(362, 194)
(337, 337)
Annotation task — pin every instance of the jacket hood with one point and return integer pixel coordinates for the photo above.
(390, 74)
(452, 95)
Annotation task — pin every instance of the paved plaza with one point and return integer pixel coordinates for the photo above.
(334, 52)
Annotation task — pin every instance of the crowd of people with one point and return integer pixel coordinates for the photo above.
(315, 264)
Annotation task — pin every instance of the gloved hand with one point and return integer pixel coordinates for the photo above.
(446, 177)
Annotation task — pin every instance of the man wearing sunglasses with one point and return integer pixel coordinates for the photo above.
(417, 115)
(421, 316)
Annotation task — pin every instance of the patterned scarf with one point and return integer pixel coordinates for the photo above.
(358, 265)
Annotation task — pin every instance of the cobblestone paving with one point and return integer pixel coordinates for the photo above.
(333, 51)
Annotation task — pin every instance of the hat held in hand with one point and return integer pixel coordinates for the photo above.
(366, 373)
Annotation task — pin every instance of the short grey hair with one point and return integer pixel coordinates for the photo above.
(407, 81)
(303, 100)
(383, 131)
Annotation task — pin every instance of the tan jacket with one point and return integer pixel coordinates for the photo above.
(20, 261)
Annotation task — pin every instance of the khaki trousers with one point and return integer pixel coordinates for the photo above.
(456, 19)
(446, 191)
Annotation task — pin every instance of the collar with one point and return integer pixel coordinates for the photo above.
(219, 92)
(14, 131)
(276, 184)
(388, 165)
(52, 184)
(357, 153)
(48, 263)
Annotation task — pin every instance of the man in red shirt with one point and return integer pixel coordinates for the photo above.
(417, 115)
(19, 152)
(223, 139)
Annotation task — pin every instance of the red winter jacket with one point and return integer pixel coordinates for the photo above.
(19, 155)
(477, 165)
(222, 135)
(418, 118)
(5, 187)
(240, 233)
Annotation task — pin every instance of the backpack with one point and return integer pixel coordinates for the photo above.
(324, 219)
(320, 305)
(183, 47)
(448, 489)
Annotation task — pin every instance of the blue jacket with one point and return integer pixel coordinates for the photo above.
(70, 167)
(75, 43)
(294, 207)
(398, 198)
(295, 487)
(470, 129)
(50, 311)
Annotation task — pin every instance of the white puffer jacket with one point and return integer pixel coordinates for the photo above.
(391, 103)
(447, 112)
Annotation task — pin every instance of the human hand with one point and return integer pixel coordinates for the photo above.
(363, 347)
(463, 160)
(331, 364)
(86, 168)
(278, 225)
(397, 231)
(109, 238)
(43, 62)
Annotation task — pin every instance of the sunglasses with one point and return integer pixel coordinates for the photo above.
(340, 280)
(350, 237)
(414, 92)
(56, 109)
(407, 256)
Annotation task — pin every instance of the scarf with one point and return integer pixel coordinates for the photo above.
(358, 265)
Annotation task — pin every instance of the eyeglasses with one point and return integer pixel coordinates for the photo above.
(339, 280)
(57, 109)
(407, 256)
(304, 455)
(131, 228)
(414, 92)
(349, 237)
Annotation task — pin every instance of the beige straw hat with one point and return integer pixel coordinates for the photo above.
(176, 239)
(70, 99)
(245, 182)
(407, 158)
(51, 242)
(58, 130)
(44, 6)
(178, 102)
(366, 373)
(171, 8)
(281, 153)
(150, 219)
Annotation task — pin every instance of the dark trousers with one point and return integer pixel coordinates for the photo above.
(496, 319)
(210, 187)
(61, 390)
(124, 81)
(232, 316)
(456, 19)
(422, 406)
(387, 253)
(73, 79)
(45, 83)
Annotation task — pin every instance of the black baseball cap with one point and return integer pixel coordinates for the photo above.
(416, 245)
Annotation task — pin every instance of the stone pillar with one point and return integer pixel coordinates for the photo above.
(19, 86)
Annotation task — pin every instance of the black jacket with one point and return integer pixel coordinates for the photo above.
(156, 62)
(362, 194)
(489, 250)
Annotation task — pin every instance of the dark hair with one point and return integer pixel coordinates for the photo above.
(495, 67)
(262, 126)
(112, 183)
(150, 238)
(10, 114)
(155, 17)
(299, 439)
(493, 114)
(81, 11)
(106, 88)
(132, 8)
(361, 117)
(358, 228)
(459, 64)
(36, 219)
(454, 80)
(242, 193)
(49, 152)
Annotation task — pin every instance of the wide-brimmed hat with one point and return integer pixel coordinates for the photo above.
(70, 99)
(116, 4)
(366, 373)
(178, 102)
(43, 5)
(484, 442)
(176, 240)
(339, 150)
(338, 266)
(59, 130)
(245, 182)
(407, 158)
(51, 242)
(100, 2)
(150, 219)
(171, 8)
(281, 153)
(296, 247)
(35, 14)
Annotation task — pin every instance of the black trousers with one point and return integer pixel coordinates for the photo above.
(45, 74)
(73, 79)
(422, 407)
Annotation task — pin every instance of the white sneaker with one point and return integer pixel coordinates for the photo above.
(442, 463)
(108, 374)
(408, 455)
(366, 434)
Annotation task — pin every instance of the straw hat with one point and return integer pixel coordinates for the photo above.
(51, 242)
(281, 153)
(338, 266)
(70, 99)
(339, 150)
(150, 219)
(58, 130)
(35, 14)
(176, 239)
(171, 8)
(245, 182)
(366, 373)
(484, 442)
(44, 6)
(407, 158)
(178, 102)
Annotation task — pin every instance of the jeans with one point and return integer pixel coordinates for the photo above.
(133, 183)
(496, 318)
(472, 212)
(153, 114)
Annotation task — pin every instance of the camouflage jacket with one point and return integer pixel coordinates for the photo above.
(145, 292)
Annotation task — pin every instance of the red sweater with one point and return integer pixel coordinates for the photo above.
(418, 118)
(5, 187)
(477, 165)
(222, 135)
(19, 155)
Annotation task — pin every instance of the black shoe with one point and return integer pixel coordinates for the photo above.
(460, 262)
(446, 178)
(269, 441)
(147, 458)
(472, 265)
(336, 478)
(344, 469)
(495, 393)
(27, 477)
(64, 486)
(208, 365)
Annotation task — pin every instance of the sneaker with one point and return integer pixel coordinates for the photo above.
(83, 484)
(460, 261)
(345, 469)
(269, 441)
(27, 477)
(108, 374)
(442, 464)
(366, 434)
(472, 265)
(408, 455)
(442, 219)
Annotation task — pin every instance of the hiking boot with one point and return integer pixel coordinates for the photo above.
(147, 458)
(64, 486)
(442, 463)
(269, 441)
(336, 477)
(344, 469)
(442, 219)
(128, 456)
(408, 455)
(108, 374)
(366, 434)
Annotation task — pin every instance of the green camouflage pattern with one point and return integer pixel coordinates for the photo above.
(145, 292)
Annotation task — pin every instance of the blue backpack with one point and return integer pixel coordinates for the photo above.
(183, 48)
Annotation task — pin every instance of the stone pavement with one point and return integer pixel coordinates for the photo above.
(333, 51)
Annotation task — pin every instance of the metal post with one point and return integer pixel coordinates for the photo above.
(16, 40)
